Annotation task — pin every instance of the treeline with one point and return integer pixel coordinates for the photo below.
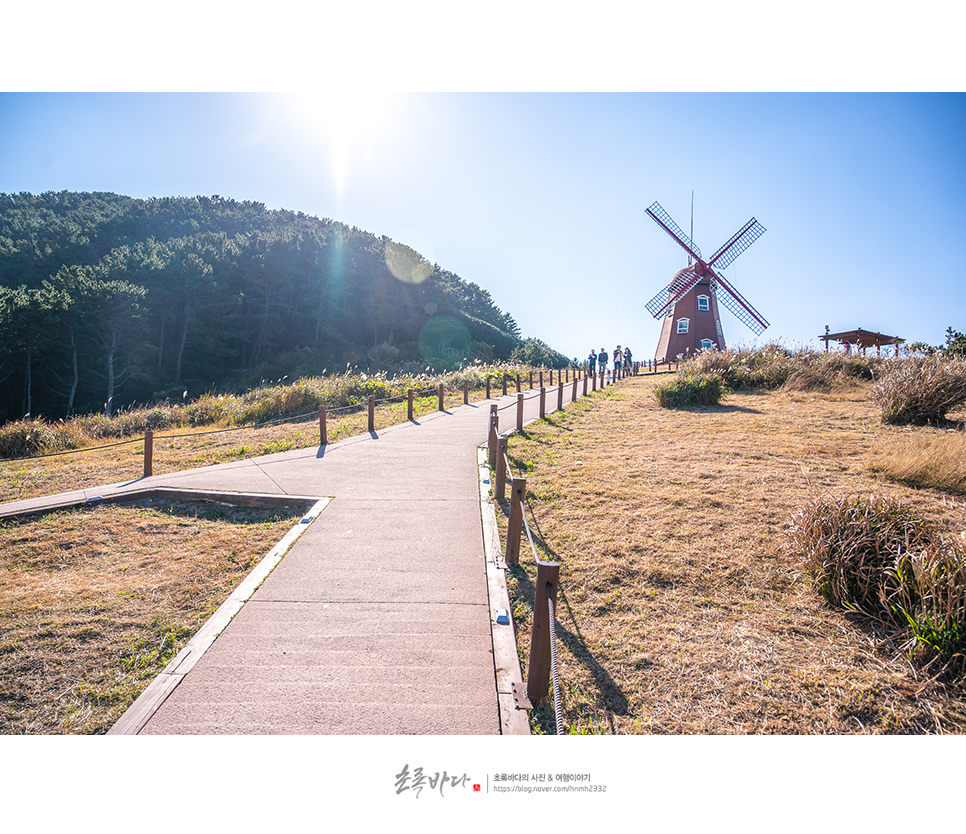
(106, 300)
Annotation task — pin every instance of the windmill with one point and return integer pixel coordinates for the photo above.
(689, 303)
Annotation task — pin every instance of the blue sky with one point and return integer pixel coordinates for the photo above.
(540, 197)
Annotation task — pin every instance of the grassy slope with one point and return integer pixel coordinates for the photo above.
(680, 610)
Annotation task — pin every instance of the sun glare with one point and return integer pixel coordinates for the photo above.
(348, 121)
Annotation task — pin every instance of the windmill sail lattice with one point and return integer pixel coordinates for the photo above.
(739, 305)
(689, 301)
(679, 285)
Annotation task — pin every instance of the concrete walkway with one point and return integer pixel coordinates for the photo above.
(379, 619)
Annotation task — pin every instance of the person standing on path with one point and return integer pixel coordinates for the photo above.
(592, 362)
(602, 361)
(618, 359)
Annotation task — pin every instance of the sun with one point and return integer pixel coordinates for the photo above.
(348, 121)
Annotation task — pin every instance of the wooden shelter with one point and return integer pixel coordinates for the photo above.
(861, 339)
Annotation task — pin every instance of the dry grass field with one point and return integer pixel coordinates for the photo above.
(95, 601)
(681, 610)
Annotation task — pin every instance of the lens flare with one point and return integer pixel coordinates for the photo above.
(407, 264)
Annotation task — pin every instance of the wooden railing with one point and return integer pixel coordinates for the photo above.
(541, 670)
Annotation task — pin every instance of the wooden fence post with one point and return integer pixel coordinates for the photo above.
(501, 469)
(514, 525)
(504, 384)
(518, 383)
(540, 667)
(573, 394)
(519, 412)
(409, 406)
(323, 429)
(372, 414)
(585, 386)
(487, 386)
(493, 436)
(531, 380)
(543, 402)
(466, 392)
(441, 397)
(560, 386)
(148, 453)
(541, 379)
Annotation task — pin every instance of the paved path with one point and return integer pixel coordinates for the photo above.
(378, 619)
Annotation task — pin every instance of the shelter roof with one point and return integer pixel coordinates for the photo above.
(861, 338)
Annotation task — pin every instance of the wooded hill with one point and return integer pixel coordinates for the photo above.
(106, 300)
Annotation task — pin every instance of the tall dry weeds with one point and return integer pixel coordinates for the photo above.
(848, 547)
(919, 390)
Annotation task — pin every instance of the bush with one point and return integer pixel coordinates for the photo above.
(919, 390)
(28, 437)
(848, 546)
(773, 366)
(766, 367)
(930, 597)
(875, 557)
(689, 388)
(25, 437)
(828, 371)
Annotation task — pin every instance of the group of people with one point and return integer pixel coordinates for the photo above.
(598, 361)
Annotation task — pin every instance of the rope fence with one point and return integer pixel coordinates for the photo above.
(504, 380)
(542, 667)
(323, 414)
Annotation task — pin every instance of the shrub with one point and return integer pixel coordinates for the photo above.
(773, 366)
(690, 388)
(918, 390)
(930, 597)
(828, 371)
(27, 437)
(848, 546)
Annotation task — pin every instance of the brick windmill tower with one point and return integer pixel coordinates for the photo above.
(689, 304)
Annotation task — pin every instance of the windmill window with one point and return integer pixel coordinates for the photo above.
(707, 344)
(704, 302)
(682, 325)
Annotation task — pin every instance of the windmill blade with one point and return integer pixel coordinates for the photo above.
(737, 243)
(680, 284)
(663, 219)
(739, 305)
